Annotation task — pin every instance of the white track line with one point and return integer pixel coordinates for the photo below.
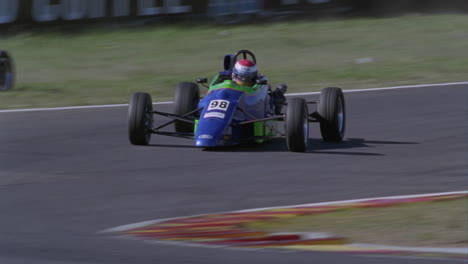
(70, 108)
(145, 223)
(391, 88)
(356, 201)
(414, 249)
(289, 94)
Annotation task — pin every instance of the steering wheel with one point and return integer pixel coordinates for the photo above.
(244, 54)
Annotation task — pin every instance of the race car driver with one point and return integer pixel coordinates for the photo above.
(245, 73)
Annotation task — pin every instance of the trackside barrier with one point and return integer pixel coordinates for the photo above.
(52, 12)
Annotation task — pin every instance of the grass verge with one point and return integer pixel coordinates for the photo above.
(106, 66)
(437, 223)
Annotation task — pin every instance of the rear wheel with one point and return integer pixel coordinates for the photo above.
(186, 99)
(297, 125)
(140, 119)
(6, 71)
(332, 110)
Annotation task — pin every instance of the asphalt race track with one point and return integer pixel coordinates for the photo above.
(66, 175)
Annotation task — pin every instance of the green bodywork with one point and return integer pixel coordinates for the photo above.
(195, 126)
(229, 84)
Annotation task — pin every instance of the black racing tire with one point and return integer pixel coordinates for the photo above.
(297, 125)
(186, 99)
(7, 73)
(140, 119)
(332, 110)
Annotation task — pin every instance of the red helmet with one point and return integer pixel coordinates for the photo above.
(245, 72)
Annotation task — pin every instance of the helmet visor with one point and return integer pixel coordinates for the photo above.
(243, 78)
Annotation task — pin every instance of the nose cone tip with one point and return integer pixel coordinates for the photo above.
(205, 143)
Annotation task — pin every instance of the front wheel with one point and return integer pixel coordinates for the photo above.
(297, 125)
(7, 74)
(186, 99)
(140, 119)
(331, 108)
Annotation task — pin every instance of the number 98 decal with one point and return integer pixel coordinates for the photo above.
(218, 105)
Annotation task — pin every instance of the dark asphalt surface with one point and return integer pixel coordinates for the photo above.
(66, 175)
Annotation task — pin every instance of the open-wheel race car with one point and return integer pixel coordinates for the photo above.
(6, 71)
(231, 113)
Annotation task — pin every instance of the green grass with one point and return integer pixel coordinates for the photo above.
(101, 66)
(443, 223)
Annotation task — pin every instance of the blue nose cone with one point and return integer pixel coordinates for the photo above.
(205, 142)
(210, 131)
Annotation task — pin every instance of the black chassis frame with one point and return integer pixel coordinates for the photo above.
(190, 117)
